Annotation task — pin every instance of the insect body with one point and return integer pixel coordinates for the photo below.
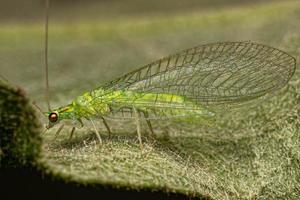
(185, 86)
(100, 103)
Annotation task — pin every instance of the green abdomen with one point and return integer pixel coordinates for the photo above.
(120, 104)
(158, 106)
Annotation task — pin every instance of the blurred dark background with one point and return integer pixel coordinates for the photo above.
(32, 10)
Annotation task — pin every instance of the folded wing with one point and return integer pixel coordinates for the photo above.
(218, 73)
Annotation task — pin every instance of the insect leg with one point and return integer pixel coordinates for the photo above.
(96, 132)
(138, 126)
(58, 131)
(72, 133)
(107, 127)
(81, 123)
(148, 122)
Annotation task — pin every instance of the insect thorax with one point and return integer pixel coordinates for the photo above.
(90, 104)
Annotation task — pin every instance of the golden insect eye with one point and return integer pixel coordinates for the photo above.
(53, 117)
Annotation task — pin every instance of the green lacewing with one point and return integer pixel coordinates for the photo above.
(184, 86)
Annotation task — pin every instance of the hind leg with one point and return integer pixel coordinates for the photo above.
(138, 126)
(146, 115)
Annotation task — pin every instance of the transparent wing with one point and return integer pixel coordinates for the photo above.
(213, 74)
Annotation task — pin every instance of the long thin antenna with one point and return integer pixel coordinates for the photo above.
(38, 108)
(46, 54)
(2, 77)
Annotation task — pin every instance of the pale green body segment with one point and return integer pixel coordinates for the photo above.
(101, 103)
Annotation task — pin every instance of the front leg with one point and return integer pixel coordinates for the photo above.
(72, 133)
(58, 131)
(74, 127)
(107, 127)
